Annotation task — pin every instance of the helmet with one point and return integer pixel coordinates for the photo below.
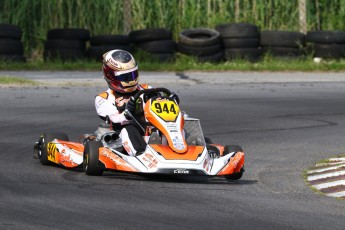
(120, 71)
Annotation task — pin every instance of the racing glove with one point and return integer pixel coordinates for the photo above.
(121, 104)
(175, 97)
(130, 107)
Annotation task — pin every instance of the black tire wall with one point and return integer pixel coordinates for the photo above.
(66, 44)
(158, 43)
(204, 44)
(103, 43)
(240, 41)
(11, 47)
(282, 43)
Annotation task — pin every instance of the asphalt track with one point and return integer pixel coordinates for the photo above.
(285, 123)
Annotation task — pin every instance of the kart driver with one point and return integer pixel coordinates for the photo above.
(120, 71)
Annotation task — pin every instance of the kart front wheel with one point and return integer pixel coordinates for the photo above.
(232, 148)
(43, 143)
(235, 176)
(90, 159)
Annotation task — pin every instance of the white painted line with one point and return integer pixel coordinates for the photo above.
(337, 159)
(337, 194)
(326, 164)
(325, 169)
(329, 184)
(325, 175)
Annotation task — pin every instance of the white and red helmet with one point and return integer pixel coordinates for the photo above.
(120, 71)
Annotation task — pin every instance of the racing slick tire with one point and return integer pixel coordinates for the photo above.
(44, 139)
(90, 159)
(232, 148)
(229, 149)
(235, 176)
(208, 140)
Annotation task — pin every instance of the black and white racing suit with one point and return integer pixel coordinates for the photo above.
(107, 104)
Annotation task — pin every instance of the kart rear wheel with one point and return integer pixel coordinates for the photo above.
(44, 140)
(90, 159)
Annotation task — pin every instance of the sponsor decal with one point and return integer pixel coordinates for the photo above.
(236, 159)
(152, 161)
(165, 109)
(51, 153)
(207, 163)
(113, 63)
(181, 171)
(179, 146)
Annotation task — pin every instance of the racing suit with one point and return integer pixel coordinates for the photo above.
(112, 105)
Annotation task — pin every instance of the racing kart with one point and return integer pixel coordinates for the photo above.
(175, 145)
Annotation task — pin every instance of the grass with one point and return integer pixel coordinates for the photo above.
(7, 80)
(188, 63)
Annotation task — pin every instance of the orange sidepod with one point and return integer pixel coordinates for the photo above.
(113, 161)
(73, 145)
(192, 153)
(234, 165)
(151, 118)
(57, 155)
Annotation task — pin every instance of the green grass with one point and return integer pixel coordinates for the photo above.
(187, 63)
(7, 80)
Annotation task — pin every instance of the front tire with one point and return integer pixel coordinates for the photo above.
(90, 160)
(235, 176)
(44, 140)
(230, 149)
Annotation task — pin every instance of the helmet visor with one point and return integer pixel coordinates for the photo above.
(129, 76)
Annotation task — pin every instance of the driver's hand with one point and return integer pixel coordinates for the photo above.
(175, 97)
(148, 96)
(120, 103)
(130, 106)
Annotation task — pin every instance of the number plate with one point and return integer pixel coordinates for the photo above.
(165, 109)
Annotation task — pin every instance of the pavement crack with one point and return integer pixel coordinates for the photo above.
(183, 76)
(323, 123)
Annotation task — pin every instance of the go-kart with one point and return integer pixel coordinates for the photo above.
(175, 145)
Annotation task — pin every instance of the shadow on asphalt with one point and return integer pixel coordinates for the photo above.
(175, 179)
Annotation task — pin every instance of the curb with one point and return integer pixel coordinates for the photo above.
(328, 177)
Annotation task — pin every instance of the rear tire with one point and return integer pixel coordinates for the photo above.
(44, 140)
(90, 159)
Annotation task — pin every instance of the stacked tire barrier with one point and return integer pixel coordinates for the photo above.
(157, 42)
(11, 47)
(327, 44)
(282, 43)
(103, 43)
(203, 43)
(66, 44)
(240, 41)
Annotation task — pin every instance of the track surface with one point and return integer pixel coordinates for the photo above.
(284, 128)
